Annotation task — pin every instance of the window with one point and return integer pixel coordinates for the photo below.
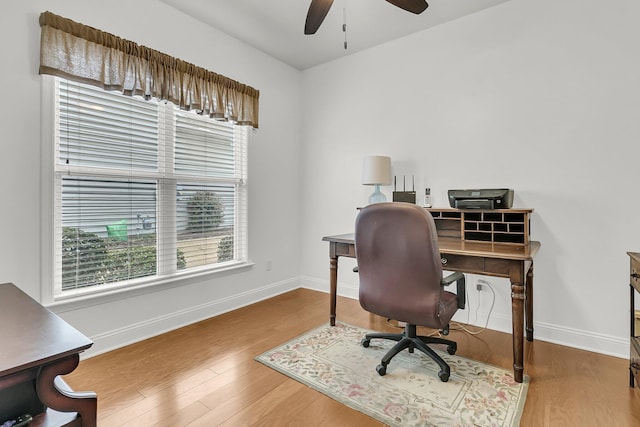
(143, 192)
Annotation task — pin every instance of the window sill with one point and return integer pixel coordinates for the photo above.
(88, 299)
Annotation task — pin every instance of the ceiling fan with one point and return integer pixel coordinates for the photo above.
(319, 9)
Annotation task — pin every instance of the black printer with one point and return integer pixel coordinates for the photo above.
(490, 198)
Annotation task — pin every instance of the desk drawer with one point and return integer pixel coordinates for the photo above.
(468, 264)
(345, 249)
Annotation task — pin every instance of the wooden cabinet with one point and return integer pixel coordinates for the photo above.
(634, 351)
(38, 347)
(495, 226)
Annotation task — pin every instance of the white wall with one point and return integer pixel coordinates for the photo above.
(274, 217)
(541, 97)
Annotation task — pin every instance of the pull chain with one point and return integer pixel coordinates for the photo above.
(344, 24)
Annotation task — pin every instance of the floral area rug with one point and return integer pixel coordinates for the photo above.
(332, 361)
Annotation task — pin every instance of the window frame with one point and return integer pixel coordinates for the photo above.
(49, 294)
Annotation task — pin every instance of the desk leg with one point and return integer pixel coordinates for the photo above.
(85, 404)
(517, 316)
(529, 304)
(333, 282)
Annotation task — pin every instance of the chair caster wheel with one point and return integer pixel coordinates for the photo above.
(451, 349)
(381, 369)
(444, 376)
(365, 342)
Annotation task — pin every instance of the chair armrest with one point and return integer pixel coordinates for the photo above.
(461, 286)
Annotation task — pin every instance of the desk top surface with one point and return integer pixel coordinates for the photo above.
(31, 335)
(460, 247)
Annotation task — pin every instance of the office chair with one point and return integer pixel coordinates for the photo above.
(401, 278)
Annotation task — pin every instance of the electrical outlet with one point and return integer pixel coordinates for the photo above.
(269, 265)
(481, 283)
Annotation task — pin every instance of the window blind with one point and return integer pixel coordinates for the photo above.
(144, 191)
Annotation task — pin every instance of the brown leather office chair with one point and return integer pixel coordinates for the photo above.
(401, 278)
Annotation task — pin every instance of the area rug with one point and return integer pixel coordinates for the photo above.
(332, 361)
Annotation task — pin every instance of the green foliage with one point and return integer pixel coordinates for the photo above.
(88, 259)
(129, 263)
(225, 249)
(182, 262)
(83, 258)
(205, 211)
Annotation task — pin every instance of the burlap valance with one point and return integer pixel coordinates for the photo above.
(82, 53)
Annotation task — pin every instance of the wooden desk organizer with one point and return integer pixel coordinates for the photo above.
(495, 226)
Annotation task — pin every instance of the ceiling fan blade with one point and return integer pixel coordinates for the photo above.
(413, 6)
(317, 11)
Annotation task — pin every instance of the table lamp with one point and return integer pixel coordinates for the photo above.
(376, 170)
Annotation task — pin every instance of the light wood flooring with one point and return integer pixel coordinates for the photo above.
(205, 375)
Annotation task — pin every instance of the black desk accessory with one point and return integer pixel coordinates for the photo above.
(404, 195)
(488, 198)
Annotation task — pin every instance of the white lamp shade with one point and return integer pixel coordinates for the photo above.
(376, 170)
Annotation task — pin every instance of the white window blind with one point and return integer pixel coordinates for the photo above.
(143, 191)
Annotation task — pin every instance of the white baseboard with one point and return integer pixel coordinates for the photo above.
(584, 340)
(149, 328)
(111, 340)
(569, 337)
(344, 289)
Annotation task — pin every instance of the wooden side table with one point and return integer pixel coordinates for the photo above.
(37, 347)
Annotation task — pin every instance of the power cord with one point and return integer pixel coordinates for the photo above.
(460, 326)
(457, 326)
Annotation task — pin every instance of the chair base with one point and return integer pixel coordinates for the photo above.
(410, 340)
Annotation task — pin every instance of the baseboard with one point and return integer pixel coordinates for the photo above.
(569, 337)
(149, 328)
(344, 289)
(584, 340)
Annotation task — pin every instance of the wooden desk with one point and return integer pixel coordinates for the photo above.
(514, 262)
(37, 347)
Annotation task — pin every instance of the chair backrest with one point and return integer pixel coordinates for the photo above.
(399, 263)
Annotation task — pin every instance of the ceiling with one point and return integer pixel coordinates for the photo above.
(276, 26)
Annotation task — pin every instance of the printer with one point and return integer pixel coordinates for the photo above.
(490, 198)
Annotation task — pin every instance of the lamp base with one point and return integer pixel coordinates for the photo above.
(377, 196)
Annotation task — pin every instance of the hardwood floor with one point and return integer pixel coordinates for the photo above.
(205, 375)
